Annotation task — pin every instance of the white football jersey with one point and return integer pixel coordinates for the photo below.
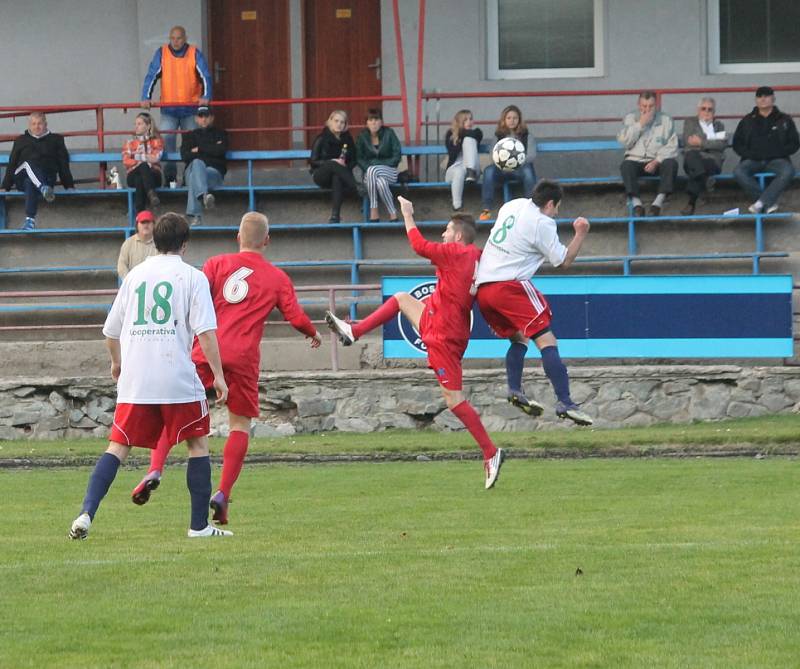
(520, 241)
(162, 304)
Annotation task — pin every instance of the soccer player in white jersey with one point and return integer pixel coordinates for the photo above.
(159, 309)
(523, 237)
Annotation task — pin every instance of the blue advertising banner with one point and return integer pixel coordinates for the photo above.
(634, 317)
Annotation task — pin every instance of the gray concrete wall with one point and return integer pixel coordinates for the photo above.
(57, 408)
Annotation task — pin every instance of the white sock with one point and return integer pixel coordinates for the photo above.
(659, 201)
(636, 202)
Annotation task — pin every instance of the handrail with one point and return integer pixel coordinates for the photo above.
(330, 289)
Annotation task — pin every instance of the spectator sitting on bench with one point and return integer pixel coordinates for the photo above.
(185, 85)
(141, 155)
(378, 155)
(511, 124)
(36, 157)
(651, 147)
(704, 144)
(463, 165)
(333, 157)
(203, 151)
(765, 139)
(139, 246)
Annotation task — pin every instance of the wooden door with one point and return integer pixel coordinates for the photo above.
(343, 51)
(249, 58)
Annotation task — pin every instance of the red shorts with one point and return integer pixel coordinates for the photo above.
(142, 424)
(242, 389)
(514, 306)
(444, 355)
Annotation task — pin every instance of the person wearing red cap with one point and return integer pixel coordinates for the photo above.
(139, 245)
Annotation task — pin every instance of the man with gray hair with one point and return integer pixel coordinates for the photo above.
(704, 144)
(651, 148)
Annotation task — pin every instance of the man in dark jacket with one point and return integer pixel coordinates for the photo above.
(765, 139)
(203, 151)
(36, 158)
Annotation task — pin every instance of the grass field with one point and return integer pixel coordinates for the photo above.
(685, 563)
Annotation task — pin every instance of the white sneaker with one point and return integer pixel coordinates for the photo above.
(493, 467)
(343, 330)
(80, 527)
(755, 208)
(772, 208)
(209, 531)
(209, 201)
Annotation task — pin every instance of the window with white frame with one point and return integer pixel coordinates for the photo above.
(746, 36)
(544, 38)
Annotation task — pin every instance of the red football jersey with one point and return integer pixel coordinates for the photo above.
(246, 288)
(456, 267)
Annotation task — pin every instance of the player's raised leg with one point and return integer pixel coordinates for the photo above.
(515, 363)
(349, 333)
(151, 480)
(556, 372)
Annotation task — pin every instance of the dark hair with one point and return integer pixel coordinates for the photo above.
(374, 113)
(465, 224)
(171, 232)
(545, 191)
(647, 95)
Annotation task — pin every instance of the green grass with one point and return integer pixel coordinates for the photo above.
(765, 432)
(686, 563)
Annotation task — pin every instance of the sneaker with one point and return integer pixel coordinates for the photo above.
(80, 527)
(48, 193)
(572, 412)
(152, 198)
(654, 210)
(755, 208)
(486, 215)
(493, 467)
(209, 531)
(638, 211)
(195, 221)
(141, 493)
(219, 505)
(711, 183)
(688, 210)
(526, 406)
(30, 225)
(472, 176)
(342, 329)
(772, 208)
(209, 201)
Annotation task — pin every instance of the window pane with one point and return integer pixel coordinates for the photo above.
(759, 32)
(545, 34)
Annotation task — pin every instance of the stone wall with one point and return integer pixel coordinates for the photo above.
(57, 408)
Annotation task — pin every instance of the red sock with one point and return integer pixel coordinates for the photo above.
(232, 460)
(472, 421)
(158, 456)
(381, 315)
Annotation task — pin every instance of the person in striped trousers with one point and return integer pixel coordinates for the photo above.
(378, 155)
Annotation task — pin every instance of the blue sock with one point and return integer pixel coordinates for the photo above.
(198, 480)
(515, 359)
(557, 373)
(105, 471)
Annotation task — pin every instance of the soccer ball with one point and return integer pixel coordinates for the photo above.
(508, 154)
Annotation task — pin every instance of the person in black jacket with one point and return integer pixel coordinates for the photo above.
(765, 139)
(462, 141)
(36, 158)
(333, 156)
(203, 151)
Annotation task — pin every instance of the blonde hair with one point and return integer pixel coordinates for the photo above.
(253, 230)
(38, 114)
(502, 128)
(458, 124)
(337, 112)
(152, 128)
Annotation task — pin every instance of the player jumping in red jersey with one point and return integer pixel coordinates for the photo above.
(245, 288)
(443, 320)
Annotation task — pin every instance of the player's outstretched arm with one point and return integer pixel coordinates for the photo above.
(581, 226)
(115, 351)
(210, 347)
(407, 209)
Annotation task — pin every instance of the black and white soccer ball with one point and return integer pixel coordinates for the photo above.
(508, 154)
